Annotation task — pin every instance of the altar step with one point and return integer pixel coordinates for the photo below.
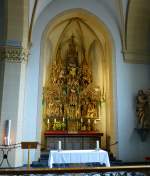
(44, 155)
(43, 160)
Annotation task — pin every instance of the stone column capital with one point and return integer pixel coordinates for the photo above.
(13, 54)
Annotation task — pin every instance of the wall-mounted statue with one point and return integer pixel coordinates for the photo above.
(143, 108)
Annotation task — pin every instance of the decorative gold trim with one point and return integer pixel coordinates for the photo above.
(13, 54)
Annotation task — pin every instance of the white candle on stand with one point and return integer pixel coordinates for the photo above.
(59, 145)
(7, 132)
(97, 145)
(48, 121)
(5, 141)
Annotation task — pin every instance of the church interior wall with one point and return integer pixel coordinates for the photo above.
(130, 78)
(127, 80)
(41, 24)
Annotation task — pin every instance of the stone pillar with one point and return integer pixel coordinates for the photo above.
(13, 57)
(2, 38)
(13, 96)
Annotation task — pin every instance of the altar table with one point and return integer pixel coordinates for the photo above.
(78, 156)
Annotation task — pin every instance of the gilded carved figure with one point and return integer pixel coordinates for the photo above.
(143, 109)
(92, 111)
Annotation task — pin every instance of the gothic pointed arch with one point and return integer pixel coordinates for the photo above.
(91, 44)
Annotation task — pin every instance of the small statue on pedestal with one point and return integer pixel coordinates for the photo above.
(141, 108)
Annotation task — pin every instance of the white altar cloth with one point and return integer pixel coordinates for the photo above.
(78, 156)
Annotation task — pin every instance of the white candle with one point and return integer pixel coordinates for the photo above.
(8, 130)
(59, 145)
(97, 145)
(54, 120)
(63, 119)
(5, 141)
(48, 121)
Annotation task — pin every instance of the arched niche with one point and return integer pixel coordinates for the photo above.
(102, 42)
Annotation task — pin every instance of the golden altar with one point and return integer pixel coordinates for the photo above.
(71, 99)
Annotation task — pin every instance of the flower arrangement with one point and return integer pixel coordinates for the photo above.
(59, 125)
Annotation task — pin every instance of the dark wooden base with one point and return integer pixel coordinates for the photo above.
(72, 140)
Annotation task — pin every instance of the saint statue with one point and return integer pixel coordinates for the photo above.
(91, 111)
(141, 108)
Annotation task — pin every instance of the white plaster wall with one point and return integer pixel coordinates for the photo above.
(31, 99)
(19, 123)
(130, 78)
(40, 6)
(127, 79)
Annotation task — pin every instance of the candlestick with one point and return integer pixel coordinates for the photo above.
(47, 120)
(48, 124)
(59, 145)
(5, 141)
(7, 132)
(97, 145)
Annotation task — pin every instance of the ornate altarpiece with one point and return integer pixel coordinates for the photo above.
(71, 100)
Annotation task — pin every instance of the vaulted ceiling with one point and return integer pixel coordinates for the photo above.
(132, 18)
